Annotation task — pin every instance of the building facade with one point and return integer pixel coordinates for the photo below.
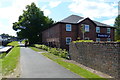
(75, 27)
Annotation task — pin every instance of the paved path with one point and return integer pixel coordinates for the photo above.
(35, 65)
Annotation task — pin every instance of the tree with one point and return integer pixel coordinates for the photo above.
(117, 26)
(31, 24)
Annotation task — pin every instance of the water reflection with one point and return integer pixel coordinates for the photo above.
(1, 47)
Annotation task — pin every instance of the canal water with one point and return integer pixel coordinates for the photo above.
(1, 47)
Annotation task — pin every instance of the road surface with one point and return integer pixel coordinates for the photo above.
(35, 65)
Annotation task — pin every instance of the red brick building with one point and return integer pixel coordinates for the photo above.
(69, 29)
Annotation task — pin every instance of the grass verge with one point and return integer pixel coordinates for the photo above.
(35, 49)
(14, 43)
(74, 68)
(2, 55)
(10, 61)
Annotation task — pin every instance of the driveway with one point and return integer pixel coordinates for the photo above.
(35, 65)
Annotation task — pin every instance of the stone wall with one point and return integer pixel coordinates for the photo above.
(0, 43)
(104, 57)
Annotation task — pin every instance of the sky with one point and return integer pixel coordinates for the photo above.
(104, 11)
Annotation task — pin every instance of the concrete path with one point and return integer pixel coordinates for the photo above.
(35, 65)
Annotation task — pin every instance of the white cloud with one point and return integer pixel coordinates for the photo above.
(7, 29)
(93, 9)
(53, 4)
(109, 21)
(11, 12)
(46, 11)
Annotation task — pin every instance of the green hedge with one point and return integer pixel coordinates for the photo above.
(83, 41)
(56, 51)
(118, 40)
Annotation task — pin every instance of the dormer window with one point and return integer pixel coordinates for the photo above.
(68, 27)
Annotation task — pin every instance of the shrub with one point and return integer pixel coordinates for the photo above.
(83, 41)
(56, 51)
(64, 54)
(44, 47)
(53, 51)
(118, 40)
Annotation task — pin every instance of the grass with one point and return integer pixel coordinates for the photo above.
(2, 55)
(23, 42)
(14, 43)
(0, 67)
(10, 61)
(74, 68)
(36, 49)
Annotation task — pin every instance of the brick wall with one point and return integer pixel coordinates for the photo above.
(103, 57)
(92, 33)
(51, 36)
(64, 34)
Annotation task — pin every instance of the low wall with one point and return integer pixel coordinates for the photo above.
(104, 57)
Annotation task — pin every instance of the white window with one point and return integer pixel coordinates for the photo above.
(86, 38)
(108, 30)
(87, 28)
(108, 39)
(97, 29)
(97, 39)
(68, 40)
(68, 27)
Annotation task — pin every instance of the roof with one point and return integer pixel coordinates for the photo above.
(72, 19)
(100, 24)
(75, 19)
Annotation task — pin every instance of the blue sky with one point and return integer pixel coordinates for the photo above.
(104, 11)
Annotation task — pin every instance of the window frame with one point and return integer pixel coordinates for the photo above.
(88, 26)
(67, 39)
(68, 28)
(108, 30)
(97, 39)
(97, 29)
(108, 39)
(87, 38)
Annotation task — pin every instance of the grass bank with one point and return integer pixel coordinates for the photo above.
(10, 61)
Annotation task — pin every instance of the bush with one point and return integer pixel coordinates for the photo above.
(56, 51)
(83, 41)
(44, 47)
(53, 51)
(64, 54)
(118, 40)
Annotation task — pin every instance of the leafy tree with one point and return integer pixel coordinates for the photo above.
(117, 26)
(31, 24)
(5, 35)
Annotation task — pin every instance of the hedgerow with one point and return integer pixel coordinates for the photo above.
(56, 51)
